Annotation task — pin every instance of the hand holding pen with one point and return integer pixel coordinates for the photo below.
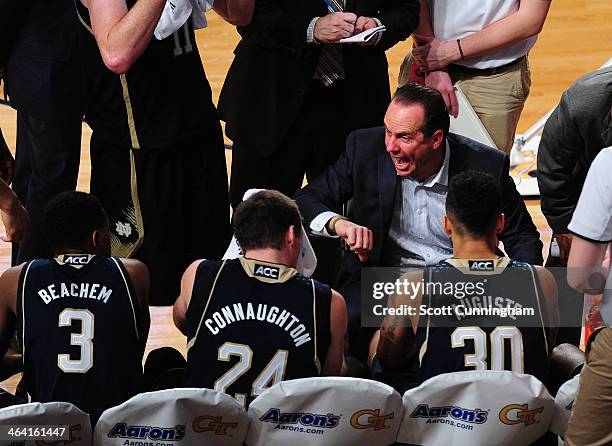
(334, 26)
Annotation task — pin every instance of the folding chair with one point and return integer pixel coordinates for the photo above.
(185, 417)
(75, 422)
(325, 411)
(476, 408)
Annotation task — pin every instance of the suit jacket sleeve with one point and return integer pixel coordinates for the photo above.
(330, 190)
(560, 148)
(274, 27)
(520, 237)
(400, 18)
(13, 14)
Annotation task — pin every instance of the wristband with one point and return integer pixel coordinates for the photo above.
(335, 220)
(460, 49)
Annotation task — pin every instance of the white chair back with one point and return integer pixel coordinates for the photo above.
(185, 417)
(325, 411)
(475, 407)
(75, 422)
(564, 403)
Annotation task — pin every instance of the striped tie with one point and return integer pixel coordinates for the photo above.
(331, 66)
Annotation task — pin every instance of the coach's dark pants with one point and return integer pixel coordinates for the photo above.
(46, 163)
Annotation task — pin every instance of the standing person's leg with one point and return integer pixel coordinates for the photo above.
(303, 149)
(591, 419)
(283, 170)
(497, 99)
(184, 201)
(46, 163)
(327, 106)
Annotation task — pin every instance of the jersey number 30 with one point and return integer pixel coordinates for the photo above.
(498, 336)
(273, 373)
(83, 340)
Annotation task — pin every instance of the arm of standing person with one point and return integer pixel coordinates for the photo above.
(123, 34)
(236, 12)
(592, 226)
(434, 54)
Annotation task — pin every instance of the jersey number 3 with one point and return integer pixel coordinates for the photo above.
(83, 340)
(273, 373)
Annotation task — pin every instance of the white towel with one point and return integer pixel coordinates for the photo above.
(307, 261)
(176, 13)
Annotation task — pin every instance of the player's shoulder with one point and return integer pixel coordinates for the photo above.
(320, 287)
(519, 264)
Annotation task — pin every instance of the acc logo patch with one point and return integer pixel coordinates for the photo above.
(481, 265)
(269, 272)
(519, 413)
(370, 418)
(215, 424)
(76, 259)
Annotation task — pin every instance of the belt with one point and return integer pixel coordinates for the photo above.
(483, 71)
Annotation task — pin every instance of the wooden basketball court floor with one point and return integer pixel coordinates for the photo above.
(576, 39)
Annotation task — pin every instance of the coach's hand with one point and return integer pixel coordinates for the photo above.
(335, 26)
(359, 238)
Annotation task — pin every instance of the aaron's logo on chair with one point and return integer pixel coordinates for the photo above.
(370, 418)
(519, 413)
(215, 424)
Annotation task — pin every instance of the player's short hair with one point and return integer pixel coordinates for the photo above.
(262, 220)
(473, 203)
(71, 217)
(436, 115)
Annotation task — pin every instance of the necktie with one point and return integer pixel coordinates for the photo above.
(331, 66)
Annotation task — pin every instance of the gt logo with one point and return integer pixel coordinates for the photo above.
(215, 424)
(76, 260)
(374, 419)
(519, 413)
(267, 271)
(481, 265)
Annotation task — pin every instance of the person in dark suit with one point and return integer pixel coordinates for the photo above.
(43, 82)
(285, 112)
(397, 178)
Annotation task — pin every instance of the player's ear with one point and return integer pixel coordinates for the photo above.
(292, 236)
(501, 222)
(100, 242)
(447, 225)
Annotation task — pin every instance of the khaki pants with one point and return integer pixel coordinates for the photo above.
(497, 99)
(591, 420)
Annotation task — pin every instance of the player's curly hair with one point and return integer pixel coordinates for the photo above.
(474, 202)
(262, 220)
(70, 218)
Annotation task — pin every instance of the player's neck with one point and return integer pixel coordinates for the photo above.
(473, 249)
(270, 255)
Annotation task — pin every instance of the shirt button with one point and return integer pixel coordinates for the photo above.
(418, 211)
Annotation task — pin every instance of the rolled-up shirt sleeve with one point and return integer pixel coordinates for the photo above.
(592, 219)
